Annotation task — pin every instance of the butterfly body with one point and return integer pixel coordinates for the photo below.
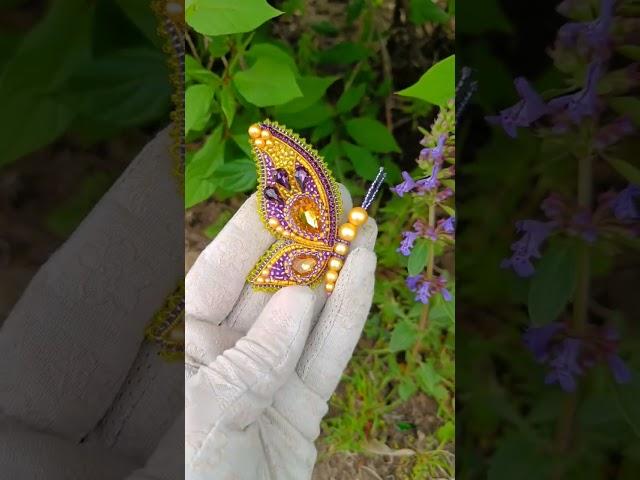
(300, 204)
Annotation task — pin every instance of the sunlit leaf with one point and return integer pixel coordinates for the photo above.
(437, 85)
(268, 82)
(224, 17)
(371, 134)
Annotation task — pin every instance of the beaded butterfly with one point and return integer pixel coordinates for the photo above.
(300, 204)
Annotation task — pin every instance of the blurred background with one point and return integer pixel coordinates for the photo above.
(84, 86)
(510, 424)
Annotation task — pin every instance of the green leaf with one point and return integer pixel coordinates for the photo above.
(194, 72)
(33, 111)
(437, 85)
(269, 50)
(429, 380)
(268, 82)
(323, 130)
(350, 98)
(422, 11)
(127, 88)
(228, 103)
(517, 457)
(628, 171)
(446, 433)
(313, 89)
(627, 106)
(344, 53)
(630, 51)
(627, 399)
(197, 104)
(418, 258)
(552, 285)
(218, 46)
(406, 389)
(237, 176)
(312, 116)
(224, 17)
(140, 14)
(365, 164)
(199, 182)
(403, 337)
(371, 134)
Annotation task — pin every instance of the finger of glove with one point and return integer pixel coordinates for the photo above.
(235, 388)
(72, 337)
(215, 281)
(251, 302)
(204, 341)
(333, 339)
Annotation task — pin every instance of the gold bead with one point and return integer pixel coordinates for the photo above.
(341, 248)
(265, 134)
(254, 130)
(258, 142)
(273, 222)
(335, 264)
(347, 232)
(329, 287)
(331, 276)
(358, 216)
(279, 229)
(269, 142)
(286, 233)
(259, 280)
(265, 272)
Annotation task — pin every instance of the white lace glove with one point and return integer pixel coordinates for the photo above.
(80, 397)
(260, 367)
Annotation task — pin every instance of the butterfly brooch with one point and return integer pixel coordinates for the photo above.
(300, 204)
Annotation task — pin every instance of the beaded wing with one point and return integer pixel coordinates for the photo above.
(300, 204)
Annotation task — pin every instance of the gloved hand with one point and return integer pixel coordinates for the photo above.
(82, 396)
(261, 367)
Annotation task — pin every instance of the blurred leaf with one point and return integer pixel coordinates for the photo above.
(628, 171)
(140, 13)
(552, 285)
(354, 10)
(418, 257)
(313, 89)
(269, 50)
(446, 432)
(323, 130)
(242, 140)
(268, 82)
(350, 98)
(403, 337)
(238, 175)
(310, 117)
(197, 100)
(482, 16)
(430, 380)
(517, 457)
(406, 389)
(422, 11)
(365, 164)
(627, 396)
(195, 72)
(371, 134)
(199, 183)
(33, 112)
(326, 28)
(228, 103)
(218, 46)
(628, 107)
(224, 17)
(127, 88)
(344, 53)
(437, 85)
(630, 51)
(214, 229)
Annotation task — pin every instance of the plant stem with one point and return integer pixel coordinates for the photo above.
(239, 53)
(580, 304)
(192, 46)
(424, 315)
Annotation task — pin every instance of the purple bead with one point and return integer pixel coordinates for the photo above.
(272, 194)
(283, 178)
(301, 176)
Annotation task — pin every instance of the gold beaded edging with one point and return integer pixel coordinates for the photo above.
(169, 319)
(277, 246)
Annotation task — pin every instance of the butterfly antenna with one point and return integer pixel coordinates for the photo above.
(374, 188)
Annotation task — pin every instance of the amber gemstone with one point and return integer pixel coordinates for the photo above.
(304, 265)
(306, 214)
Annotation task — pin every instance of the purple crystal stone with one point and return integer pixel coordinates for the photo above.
(272, 194)
(301, 176)
(283, 178)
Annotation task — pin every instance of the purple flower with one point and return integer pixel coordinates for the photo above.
(590, 36)
(425, 289)
(412, 282)
(582, 224)
(528, 246)
(564, 364)
(529, 109)
(624, 205)
(423, 293)
(436, 153)
(408, 240)
(443, 194)
(537, 339)
(404, 187)
(583, 103)
(613, 133)
(449, 225)
(619, 369)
